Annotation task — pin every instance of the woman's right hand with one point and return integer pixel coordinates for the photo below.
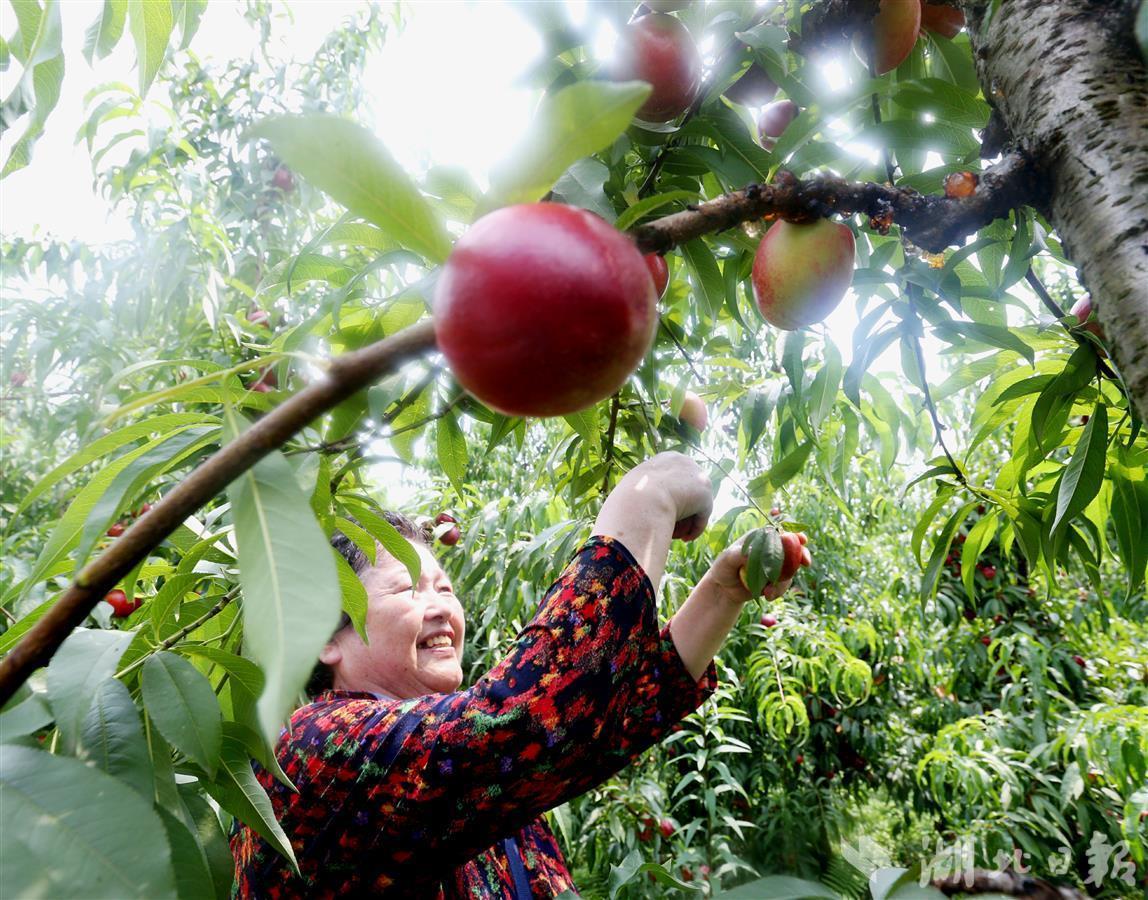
(685, 486)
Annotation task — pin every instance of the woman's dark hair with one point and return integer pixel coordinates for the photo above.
(322, 676)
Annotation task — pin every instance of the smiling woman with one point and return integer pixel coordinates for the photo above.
(407, 785)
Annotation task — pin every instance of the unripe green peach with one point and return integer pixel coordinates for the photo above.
(801, 272)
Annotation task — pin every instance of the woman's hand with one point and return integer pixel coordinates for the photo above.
(685, 486)
(701, 625)
(725, 574)
(667, 496)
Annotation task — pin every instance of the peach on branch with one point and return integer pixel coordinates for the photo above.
(544, 309)
(942, 19)
(659, 271)
(895, 30)
(659, 50)
(694, 412)
(773, 121)
(801, 272)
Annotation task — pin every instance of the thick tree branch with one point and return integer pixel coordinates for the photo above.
(346, 375)
(930, 222)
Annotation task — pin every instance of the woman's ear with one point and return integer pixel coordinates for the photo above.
(331, 654)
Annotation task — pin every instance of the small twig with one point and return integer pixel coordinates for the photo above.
(187, 629)
(421, 422)
(729, 477)
(614, 403)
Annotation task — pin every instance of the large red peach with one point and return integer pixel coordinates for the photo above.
(544, 309)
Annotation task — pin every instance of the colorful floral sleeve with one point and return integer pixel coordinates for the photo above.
(589, 685)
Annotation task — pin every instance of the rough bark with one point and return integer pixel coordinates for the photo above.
(1067, 79)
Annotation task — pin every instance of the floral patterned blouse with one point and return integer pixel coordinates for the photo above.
(442, 796)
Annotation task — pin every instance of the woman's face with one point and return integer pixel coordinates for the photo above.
(415, 633)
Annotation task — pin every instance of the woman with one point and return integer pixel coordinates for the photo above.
(409, 787)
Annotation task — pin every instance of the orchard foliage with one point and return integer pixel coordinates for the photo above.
(964, 660)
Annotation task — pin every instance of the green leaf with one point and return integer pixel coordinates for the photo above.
(585, 422)
(1130, 525)
(582, 185)
(570, 124)
(187, 15)
(183, 706)
(351, 165)
(237, 790)
(58, 811)
(113, 740)
(940, 550)
(789, 466)
(258, 749)
(189, 865)
(84, 660)
(290, 585)
(161, 457)
(151, 23)
(26, 716)
(9, 638)
(42, 54)
(451, 446)
(212, 840)
(105, 32)
(766, 554)
(166, 602)
(709, 287)
(354, 596)
(387, 535)
(66, 535)
(1085, 471)
(911, 134)
(633, 213)
(242, 670)
(943, 100)
(993, 335)
(156, 425)
(979, 537)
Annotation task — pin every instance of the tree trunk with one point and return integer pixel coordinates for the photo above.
(1068, 80)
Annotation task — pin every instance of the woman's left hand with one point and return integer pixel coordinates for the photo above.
(725, 574)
